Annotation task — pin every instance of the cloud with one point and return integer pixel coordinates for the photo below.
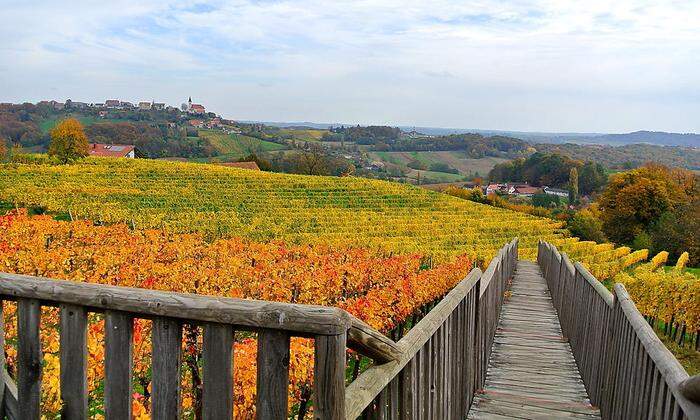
(519, 64)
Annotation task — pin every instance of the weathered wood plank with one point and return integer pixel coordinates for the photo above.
(329, 377)
(73, 358)
(273, 374)
(532, 372)
(119, 329)
(305, 319)
(166, 361)
(29, 358)
(217, 352)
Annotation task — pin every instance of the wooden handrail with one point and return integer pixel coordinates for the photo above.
(665, 361)
(602, 291)
(371, 343)
(451, 333)
(626, 368)
(360, 393)
(303, 319)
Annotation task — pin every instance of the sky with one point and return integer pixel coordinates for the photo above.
(540, 65)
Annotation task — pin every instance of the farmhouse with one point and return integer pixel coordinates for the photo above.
(112, 103)
(113, 150)
(523, 190)
(145, 106)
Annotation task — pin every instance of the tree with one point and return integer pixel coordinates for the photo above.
(678, 231)
(263, 164)
(68, 141)
(573, 186)
(586, 225)
(546, 200)
(634, 200)
(591, 178)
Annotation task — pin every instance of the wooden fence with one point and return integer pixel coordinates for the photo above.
(627, 370)
(432, 372)
(443, 358)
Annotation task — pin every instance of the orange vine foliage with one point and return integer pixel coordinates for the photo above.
(380, 289)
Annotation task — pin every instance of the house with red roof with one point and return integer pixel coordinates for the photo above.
(113, 150)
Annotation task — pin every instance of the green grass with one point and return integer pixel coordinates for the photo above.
(689, 358)
(455, 159)
(46, 125)
(438, 176)
(692, 270)
(234, 146)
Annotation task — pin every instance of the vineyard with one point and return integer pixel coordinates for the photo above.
(383, 291)
(382, 251)
(220, 202)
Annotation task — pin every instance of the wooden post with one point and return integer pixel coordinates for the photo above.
(273, 374)
(29, 359)
(73, 357)
(118, 364)
(217, 352)
(329, 377)
(167, 358)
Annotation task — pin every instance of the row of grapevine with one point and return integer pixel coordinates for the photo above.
(383, 290)
(221, 201)
(669, 297)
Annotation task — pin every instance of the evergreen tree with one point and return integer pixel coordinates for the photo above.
(573, 186)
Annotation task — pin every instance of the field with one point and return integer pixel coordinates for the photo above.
(258, 205)
(455, 159)
(235, 146)
(47, 124)
(302, 134)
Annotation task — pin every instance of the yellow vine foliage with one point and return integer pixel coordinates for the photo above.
(664, 294)
(658, 260)
(682, 261)
(220, 201)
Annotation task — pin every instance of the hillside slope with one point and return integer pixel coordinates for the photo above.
(222, 201)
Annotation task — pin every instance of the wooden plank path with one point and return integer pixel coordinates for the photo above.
(532, 373)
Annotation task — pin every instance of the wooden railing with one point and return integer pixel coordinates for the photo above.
(433, 370)
(627, 370)
(443, 357)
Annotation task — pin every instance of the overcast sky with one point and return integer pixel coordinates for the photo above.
(550, 65)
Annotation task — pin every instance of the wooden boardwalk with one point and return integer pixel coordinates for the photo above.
(532, 373)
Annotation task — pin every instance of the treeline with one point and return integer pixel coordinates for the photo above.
(385, 138)
(628, 156)
(19, 125)
(474, 145)
(553, 170)
(311, 160)
(369, 135)
(153, 141)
